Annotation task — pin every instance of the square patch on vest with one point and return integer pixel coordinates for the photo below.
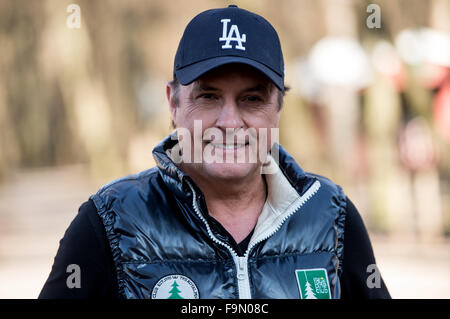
(313, 283)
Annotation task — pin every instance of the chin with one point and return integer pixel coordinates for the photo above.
(230, 171)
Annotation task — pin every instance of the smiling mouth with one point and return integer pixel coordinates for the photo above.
(228, 146)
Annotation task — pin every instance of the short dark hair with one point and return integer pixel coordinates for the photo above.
(176, 88)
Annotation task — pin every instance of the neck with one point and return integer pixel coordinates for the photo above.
(236, 204)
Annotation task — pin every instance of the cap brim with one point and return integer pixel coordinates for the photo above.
(190, 73)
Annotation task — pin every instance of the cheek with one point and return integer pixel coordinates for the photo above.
(267, 129)
(196, 114)
(267, 137)
(268, 119)
(192, 125)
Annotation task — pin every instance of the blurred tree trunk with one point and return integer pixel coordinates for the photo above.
(341, 102)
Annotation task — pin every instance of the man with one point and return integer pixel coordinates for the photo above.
(227, 213)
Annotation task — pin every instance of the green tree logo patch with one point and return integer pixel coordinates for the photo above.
(175, 292)
(313, 283)
(175, 287)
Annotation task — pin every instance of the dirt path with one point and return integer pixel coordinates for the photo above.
(36, 208)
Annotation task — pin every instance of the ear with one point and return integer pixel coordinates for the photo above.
(170, 99)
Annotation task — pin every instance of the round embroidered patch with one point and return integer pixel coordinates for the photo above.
(175, 287)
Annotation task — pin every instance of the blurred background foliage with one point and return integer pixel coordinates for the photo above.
(369, 108)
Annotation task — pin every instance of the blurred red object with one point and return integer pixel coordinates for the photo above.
(441, 110)
(433, 75)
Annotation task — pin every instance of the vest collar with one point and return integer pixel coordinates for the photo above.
(282, 201)
(176, 180)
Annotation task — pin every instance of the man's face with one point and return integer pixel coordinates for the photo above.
(234, 108)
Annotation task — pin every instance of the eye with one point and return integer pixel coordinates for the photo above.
(207, 96)
(252, 98)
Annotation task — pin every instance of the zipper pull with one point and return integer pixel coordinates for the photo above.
(241, 263)
(242, 278)
(241, 268)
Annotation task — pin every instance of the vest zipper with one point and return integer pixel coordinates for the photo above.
(242, 274)
(243, 278)
(242, 262)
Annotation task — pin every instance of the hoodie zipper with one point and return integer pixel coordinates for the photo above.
(241, 263)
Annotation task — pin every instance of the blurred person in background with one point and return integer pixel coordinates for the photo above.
(215, 228)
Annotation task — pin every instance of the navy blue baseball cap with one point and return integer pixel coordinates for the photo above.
(229, 35)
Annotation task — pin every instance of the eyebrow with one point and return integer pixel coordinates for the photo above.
(258, 88)
(200, 87)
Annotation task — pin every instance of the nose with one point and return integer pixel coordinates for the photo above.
(229, 116)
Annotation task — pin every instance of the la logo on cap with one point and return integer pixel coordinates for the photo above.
(229, 37)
